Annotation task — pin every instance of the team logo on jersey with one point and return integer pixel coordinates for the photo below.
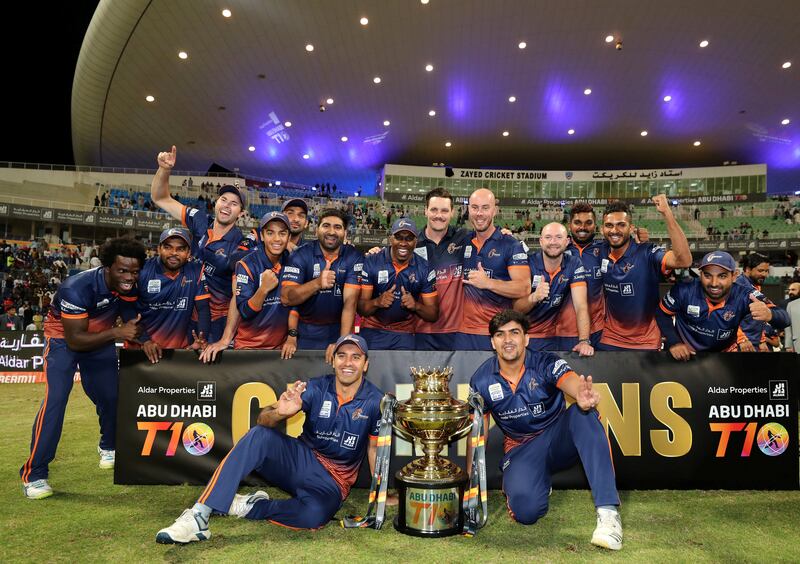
(102, 303)
(626, 289)
(184, 281)
(412, 277)
(494, 253)
(532, 385)
(496, 392)
(556, 301)
(627, 268)
(724, 334)
(383, 276)
(693, 310)
(349, 440)
(728, 315)
(153, 286)
(220, 253)
(181, 305)
(358, 413)
(536, 409)
(467, 251)
(596, 252)
(452, 247)
(325, 410)
(561, 279)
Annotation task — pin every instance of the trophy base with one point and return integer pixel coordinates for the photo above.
(431, 509)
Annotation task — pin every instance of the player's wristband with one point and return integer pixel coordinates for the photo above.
(587, 341)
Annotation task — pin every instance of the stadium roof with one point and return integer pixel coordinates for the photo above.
(247, 75)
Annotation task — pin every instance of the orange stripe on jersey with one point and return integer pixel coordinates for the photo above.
(74, 315)
(183, 216)
(567, 373)
(357, 286)
(128, 298)
(289, 283)
(665, 310)
(244, 265)
(664, 269)
(294, 312)
(202, 297)
(578, 283)
(255, 306)
(367, 287)
(40, 417)
(430, 295)
(525, 266)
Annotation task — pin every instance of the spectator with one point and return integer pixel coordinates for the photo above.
(10, 321)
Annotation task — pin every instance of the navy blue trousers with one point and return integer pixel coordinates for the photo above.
(380, 340)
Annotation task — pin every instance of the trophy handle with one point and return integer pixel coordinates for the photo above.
(461, 434)
(405, 435)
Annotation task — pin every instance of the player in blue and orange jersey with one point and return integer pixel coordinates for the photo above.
(296, 210)
(708, 311)
(631, 273)
(522, 390)
(554, 277)
(172, 288)
(79, 333)
(752, 333)
(495, 273)
(442, 245)
(397, 288)
(342, 418)
(216, 242)
(321, 279)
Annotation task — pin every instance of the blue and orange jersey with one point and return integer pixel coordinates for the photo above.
(756, 331)
(263, 325)
(339, 429)
(525, 409)
(166, 302)
(380, 273)
(630, 283)
(446, 259)
(86, 295)
(543, 316)
(306, 263)
(498, 255)
(219, 256)
(703, 325)
(566, 322)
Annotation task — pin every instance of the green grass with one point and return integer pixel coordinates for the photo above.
(91, 520)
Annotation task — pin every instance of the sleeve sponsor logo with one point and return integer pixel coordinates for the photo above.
(520, 256)
(291, 270)
(325, 411)
(693, 310)
(496, 391)
(153, 286)
(525, 247)
(580, 270)
(423, 252)
(431, 275)
(242, 279)
(560, 367)
(192, 212)
(358, 267)
(65, 305)
(669, 299)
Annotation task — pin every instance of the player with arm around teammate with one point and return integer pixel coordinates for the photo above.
(317, 469)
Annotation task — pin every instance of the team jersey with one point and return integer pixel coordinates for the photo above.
(219, 256)
(263, 325)
(630, 283)
(756, 331)
(570, 274)
(566, 322)
(86, 295)
(380, 273)
(166, 302)
(338, 430)
(524, 410)
(498, 254)
(705, 326)
(446, 259)
(306, 263)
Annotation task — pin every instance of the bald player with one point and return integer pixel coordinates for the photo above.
(555, 277)
(496, 272)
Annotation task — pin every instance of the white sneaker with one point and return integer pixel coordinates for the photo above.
(608, 533)
(189, 527)
(106, 458)
(38, 489)
(242, 504)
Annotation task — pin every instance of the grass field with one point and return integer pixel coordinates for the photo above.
(91, 520)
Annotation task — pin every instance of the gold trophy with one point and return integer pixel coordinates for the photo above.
(431, 488)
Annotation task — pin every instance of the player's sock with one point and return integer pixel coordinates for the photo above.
(203, 510)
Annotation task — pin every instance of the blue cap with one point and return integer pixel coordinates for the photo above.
(354, 339)
(271, 216)
(295, 203)
(181, 232)
(404, 224)
(719, 258)
(230, 189)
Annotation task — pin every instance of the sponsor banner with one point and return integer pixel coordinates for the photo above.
(69, 216)
(714, 422)
(155, 224)
(21, 359)
(368, 240)
(25, 212)
(122, 221)
(392, 196)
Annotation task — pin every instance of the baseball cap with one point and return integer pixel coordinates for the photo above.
(270, 216)
(719, 258)
(354, 339)
(404, 224)
(295, 202)
(181, 232)
(230, 189)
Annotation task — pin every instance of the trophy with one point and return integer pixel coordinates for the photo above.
(431, 488)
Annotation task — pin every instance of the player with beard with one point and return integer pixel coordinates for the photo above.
(79, 333)
(554, 276)
(708, 311)
(397, 288)
(524, 391)
(172, 288)
(496, 272)
(752, 333)
(216, 242)
(631, 274)
(321, 279)
(296, 210)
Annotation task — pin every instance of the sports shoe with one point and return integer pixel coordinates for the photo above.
(106, 458)
(608, 533)
(242, 504)
(38, 489)
(189, 527)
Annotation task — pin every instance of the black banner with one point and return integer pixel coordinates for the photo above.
(21, 357)
(25, 212)
(720, 421)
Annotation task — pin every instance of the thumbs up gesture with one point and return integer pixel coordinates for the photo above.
(130, 330)
(386, 298)
(478, 278)
(167, 159)
(407, 300)
(327, 278)
(759, 310)
(541, 292)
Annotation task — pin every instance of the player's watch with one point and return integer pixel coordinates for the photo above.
(292, 332)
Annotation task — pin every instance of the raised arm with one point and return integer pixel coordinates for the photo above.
(159, 189)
